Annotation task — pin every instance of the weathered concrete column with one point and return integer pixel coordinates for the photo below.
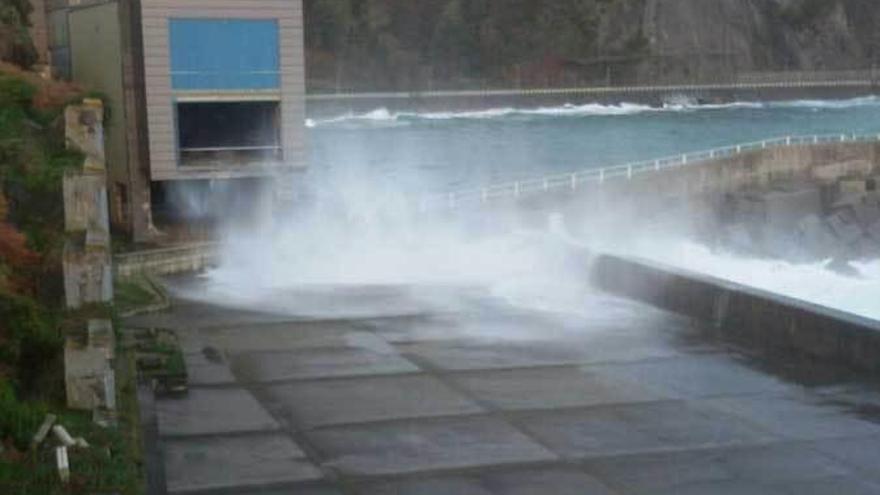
(88, 273)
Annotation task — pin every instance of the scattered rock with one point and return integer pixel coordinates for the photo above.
(842, 267)
(845, 227)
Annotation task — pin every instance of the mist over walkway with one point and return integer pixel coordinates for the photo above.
(487, 397)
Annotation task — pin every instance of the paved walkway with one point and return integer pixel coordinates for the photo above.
(491, 399)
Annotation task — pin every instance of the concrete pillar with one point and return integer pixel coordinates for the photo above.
(87, 257)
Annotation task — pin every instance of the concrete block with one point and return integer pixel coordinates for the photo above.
(88, 275)
(866, 213)
(845, 226)
(102, 337)
(834, 171)
(874, 231)
(88, 376)
(787, 208)
(84, 131)
(852, 187)
(85, 203)
(815, 234)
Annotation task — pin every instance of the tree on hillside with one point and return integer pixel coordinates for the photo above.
(16, 45)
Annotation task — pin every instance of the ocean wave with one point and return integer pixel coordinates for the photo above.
(810, 282)
(383, 117)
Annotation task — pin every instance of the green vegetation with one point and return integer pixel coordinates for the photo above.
(135, 293)
(111, 464)
(33, 323)
(417, 44)
(15, 41)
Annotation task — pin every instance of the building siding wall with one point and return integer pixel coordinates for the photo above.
(155, 15)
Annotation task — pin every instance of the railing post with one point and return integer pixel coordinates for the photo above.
(816, 139)
(601, 175)
(516, 189)
(739, 148)
(711, 153)
(629, 171)
(788, 140)
(684, 159)
(657, 165)
(842, 138)
(574, 183)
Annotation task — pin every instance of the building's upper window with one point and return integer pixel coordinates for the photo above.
(224, 54)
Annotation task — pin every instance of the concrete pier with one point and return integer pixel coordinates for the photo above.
(622, 399)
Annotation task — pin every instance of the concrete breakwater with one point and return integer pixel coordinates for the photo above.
(757, 318)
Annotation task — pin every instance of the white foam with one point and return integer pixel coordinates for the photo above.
(810, 282)
(382, 117)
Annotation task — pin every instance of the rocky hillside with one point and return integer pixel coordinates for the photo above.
(423, 44)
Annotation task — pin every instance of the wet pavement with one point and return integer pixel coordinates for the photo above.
(486, 398)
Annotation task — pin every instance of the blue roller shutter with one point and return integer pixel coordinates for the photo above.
(224, 54)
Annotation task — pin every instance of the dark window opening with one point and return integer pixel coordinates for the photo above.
(229, 133)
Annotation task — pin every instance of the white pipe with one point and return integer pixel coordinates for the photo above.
(63, 436)
(63, 464)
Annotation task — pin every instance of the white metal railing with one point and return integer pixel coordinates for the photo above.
(572, 181)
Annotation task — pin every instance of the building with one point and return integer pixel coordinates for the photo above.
(200, 93)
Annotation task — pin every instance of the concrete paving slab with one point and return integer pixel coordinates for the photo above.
(481, 354)
(469, 355)
(429, 486)
(638, 428)
(782, 463)
(203, 371)
(546, 388)
(593, 432)
(234, 462)
(212, 411)
(425, 445)
(317, 363)
(727, 487)
(793, 417)
(698, 376)
(860, 453)
(358, 400)
(849, 485)
(660, 471)
(558, 481)
(305, 488)
(681, 424)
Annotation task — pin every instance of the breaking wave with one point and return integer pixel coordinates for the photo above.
(384, 118)
(810, 282)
